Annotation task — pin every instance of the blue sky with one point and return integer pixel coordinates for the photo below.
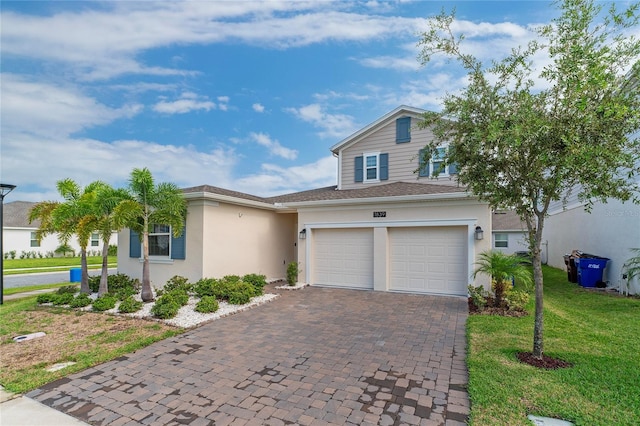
(243, 95)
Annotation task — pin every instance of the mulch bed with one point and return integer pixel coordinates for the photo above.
(546, 362)
(488, 310)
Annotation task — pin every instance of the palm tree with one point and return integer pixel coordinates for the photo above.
(502, 268)
(106, 201)
(72, 216)
(150, 204)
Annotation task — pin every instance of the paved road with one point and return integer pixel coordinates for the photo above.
(25, 280)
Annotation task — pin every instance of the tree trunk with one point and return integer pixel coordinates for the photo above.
(147, 293)
(84, 281)
(104, 283)
(538, 342)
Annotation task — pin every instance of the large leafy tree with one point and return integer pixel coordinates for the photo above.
(522, 146)
(148, 205)
(72, 216)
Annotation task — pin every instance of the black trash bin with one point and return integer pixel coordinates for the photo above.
(572, 267)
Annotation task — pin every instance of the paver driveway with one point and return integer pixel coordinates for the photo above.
(312, 356)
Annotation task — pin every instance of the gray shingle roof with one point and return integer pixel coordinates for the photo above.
(16, 214)
(396, 189)
(507, 221)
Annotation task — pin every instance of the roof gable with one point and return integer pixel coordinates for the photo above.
(379, 123)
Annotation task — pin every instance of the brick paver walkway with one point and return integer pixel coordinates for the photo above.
(311, 357)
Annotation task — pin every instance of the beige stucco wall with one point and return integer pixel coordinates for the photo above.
(223, 239)
(467, 212)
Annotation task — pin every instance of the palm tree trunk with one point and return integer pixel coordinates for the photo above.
(84, 282)
(147, 293)
(104, 283)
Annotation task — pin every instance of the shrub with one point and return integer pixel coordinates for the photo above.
(165, 307)
(62, 299)
(112, 250)
(207, 304)
(292, 273)
(120, 285)
(67, 289)
(205, 287)
(240, 293)
(478, 296)
(178, 283)
(179, 296)
(104, 303)
(80, 301)
(516, 299)
(231, 278)
(45, 298)
(257, 281)
(129, 305)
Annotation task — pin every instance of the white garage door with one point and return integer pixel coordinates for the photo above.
(343, 258)
(429, 260)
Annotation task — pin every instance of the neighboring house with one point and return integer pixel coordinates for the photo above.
(20, 235)
(380, 228)
(610, 230)
(509, 233)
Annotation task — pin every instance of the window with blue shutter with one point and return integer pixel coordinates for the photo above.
(359, 169)
(384, 166)
(135, 247)
(403, 130)
(424, 161)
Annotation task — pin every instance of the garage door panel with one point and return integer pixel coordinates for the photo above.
(343, 258)
(428, 260)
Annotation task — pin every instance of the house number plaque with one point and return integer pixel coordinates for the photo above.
(379, 214)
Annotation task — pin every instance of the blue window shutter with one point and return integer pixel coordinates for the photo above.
(384, 166)
(359, 169)
(453, 169)
(403, 130)
(423, 161)
(179, 245)
(134, 244)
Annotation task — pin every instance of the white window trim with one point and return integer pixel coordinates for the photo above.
(97, 240)
(445, 172)
(495, 240)
(157, 258)
(364, 167)
(33, 239)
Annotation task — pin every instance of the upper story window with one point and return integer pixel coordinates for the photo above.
(500, 240)
(160, 240)
(95, 239)
(372, 167)
(403, 130)
(34, 240)
(433, 162)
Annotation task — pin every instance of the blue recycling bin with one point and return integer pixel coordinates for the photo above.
(590, 269)
(75, 275)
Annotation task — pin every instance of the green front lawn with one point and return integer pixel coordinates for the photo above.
(599, 333)
(52, 264)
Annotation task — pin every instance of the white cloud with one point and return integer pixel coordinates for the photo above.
(53, 109)
(104, 43)
(188, 102)
(274, 146)
(276, 180)
(330, 125)
(258, 107)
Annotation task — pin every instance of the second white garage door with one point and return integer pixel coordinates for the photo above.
(343, 258)
(429, 260)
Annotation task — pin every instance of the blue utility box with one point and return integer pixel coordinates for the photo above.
(75, 275)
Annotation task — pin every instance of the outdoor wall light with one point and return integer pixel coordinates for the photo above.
(303, 234)
(479, 233)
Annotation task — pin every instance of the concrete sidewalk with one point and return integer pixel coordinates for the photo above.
(18, 410)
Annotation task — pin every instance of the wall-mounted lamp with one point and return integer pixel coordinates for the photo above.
(303, 234)
(479, 233)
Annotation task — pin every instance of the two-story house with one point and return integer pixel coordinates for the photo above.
(385, 226)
